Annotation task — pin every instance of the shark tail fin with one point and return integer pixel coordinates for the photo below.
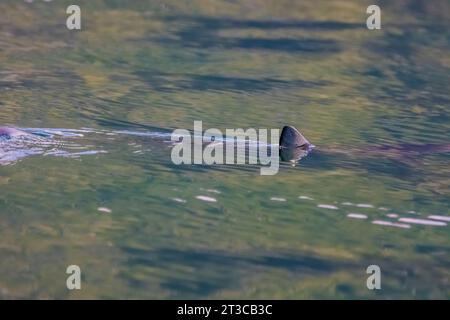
(292, 138)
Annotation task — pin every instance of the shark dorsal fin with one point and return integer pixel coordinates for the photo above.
(291, 138)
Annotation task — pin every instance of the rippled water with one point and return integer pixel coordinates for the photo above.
(141, 227)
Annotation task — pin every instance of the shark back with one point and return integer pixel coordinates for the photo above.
(292, 138)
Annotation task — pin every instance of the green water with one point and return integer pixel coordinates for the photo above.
(231, 64)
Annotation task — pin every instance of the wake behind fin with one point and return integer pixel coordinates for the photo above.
(292, 138)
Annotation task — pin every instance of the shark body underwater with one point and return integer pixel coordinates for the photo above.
(18, 143)
(293, 145)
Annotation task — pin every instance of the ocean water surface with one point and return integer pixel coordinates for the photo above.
(139, 226)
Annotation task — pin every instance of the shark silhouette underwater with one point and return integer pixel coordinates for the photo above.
(293, 146)
(17, 143)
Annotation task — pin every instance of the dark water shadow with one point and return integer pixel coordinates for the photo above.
(279, 44)
(203, 32)
(232, 23)
(164, 82)
(213, 271)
